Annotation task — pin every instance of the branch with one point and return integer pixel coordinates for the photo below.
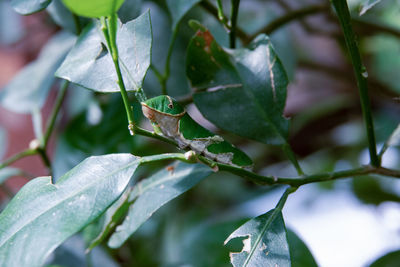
(360, 72)
(234, 14)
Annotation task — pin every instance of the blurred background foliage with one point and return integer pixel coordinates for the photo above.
(326, 130)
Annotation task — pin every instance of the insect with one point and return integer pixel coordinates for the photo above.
(171, 119)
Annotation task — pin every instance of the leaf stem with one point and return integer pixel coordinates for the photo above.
(284, 197)
(234, 14)
(292, 157)
(360, 72)
(18, 156)
(109, 29)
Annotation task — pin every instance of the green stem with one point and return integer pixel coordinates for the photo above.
(284, 197)
(234, 14)
(221, 14)
(292, 157)
(77, 22)
(167, 69)
(53, 115)
(109, 29)
(360, 72)
(18, 156)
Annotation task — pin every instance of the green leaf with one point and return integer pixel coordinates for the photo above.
(374, 190)
(63, 17)
(300, 255)
(178, 9)
(8, 172)
(265, 242)
(28, 90)
(93, 8)
(247, 86)
(394, 139)
(367, 5)
(151, 194)
(26, 7)
(43, 215)
(391, 259)
(129, 10)
(89, 64)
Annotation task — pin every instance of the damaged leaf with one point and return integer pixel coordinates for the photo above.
(265, 242)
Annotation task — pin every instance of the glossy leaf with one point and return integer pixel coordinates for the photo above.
(89, 63)
(247, 87)
(28, 90)
(391, 259)
(93, 8)
(151, 194)
(300, 255)
(367, 5)
(178, 9)
(43, 215)
(26, 7)
(8, 172)
(265, 242)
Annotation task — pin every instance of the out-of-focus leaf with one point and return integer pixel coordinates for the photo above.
(93, 8)
(62, 16)
(8, 172)
(247, 87)
(43, 215)
(265, 242)
(28, 90)
(89, 63)
(372, 190)
(367, 5)
(300, 255)
(394, 139)
(178, 9)
(11, 28)
(26, 7)
(391, 259)
(129, 10)
(151, 194)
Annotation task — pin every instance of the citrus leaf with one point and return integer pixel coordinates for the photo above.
(246, 86)
(394, 139)
(391, 259)
(89, 63)
(178, 9)
(28, 90)
(367, 5)
(265, 242)
(93, 8)
(43, 215)
(26, 7)
(300, 255)
(151, 194)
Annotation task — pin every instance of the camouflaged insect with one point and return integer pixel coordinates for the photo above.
(172, 120)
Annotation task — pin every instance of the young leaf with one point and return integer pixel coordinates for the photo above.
(178, 9)
(93, 8)
(43, 215)
(25, 94)
(300, 255)
(89, 63)
(152, 193)
(26, 7)
(247, 86)
(367, 5)
(265, 242)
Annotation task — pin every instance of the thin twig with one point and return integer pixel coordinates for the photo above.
(234, 14)
(18, 156)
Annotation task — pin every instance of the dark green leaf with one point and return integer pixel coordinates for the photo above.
(43, 215)
(129, 10)
(62, 16)
(394, 139)
(26, 7)
(178, 9)
(152, 193)
(374, 190)
(300, 255)
(246, 86)
(8, 172)
(391, 259)
(90, 65)
(265, 242)
(28, 90)
(93, 8)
